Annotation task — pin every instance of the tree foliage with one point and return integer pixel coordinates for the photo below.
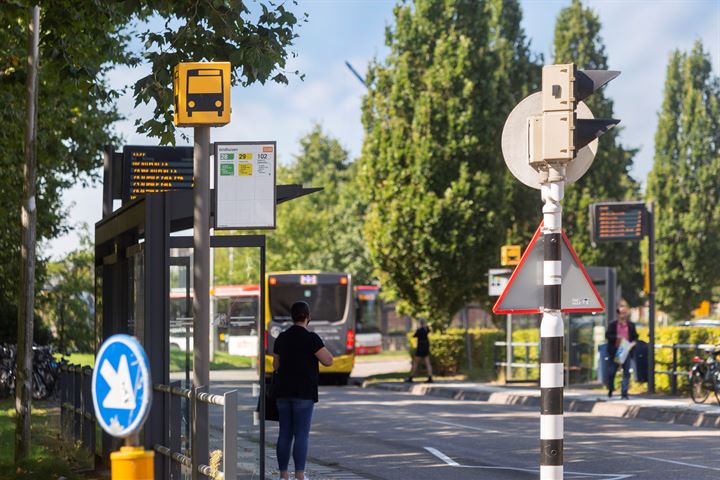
(432, 171)
(685, 184)
(577, 39)
(255, 42)
(80, 42)
(67, 302)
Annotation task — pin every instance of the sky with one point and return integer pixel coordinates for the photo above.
(638, 35)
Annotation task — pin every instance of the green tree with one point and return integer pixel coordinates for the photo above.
(577, 40)
(76, 112)
(256, 43)
(432, 171)
(67, 301)
(320, 231)
(81, 41)
(685, 184)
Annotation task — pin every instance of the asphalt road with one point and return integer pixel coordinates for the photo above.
(384, 435)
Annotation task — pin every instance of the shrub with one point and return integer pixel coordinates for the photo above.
(448, 355)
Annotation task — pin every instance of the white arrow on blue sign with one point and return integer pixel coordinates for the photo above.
(121, 387)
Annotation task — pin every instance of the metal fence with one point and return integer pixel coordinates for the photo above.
(172, 394)
(526, 365)
(77, 413)
(678, 367)
(673, 373)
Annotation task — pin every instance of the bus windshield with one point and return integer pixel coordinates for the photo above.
(368, 317)
(327, 302)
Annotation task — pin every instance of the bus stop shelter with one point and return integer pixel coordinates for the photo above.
(135, 249)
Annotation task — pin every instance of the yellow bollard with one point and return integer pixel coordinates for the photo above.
(132, 463)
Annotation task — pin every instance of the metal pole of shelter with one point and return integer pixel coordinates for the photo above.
(651, 297)
(552, 330)
(261, 359)
(201, 288)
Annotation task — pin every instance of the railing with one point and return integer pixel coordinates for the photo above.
(576, 371)
(77, 413)
(673, 373)
(525, 365)
(172, 395)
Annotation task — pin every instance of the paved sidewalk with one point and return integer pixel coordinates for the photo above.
(247, 460)
(661, 409)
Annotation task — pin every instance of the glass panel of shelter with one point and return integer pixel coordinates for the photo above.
(234, 347)
(234, 344)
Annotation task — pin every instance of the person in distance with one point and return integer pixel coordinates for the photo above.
(422, 352)
(617, 331)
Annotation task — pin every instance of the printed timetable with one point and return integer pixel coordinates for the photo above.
(245, 185)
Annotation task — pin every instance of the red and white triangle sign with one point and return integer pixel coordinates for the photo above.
(524, 292)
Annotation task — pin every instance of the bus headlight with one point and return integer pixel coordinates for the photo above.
(191, 104)
(218, 103)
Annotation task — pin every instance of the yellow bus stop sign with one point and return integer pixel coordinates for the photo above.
(202, 94)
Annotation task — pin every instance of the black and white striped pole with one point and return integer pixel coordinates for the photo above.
(550, 139)
(552, 331)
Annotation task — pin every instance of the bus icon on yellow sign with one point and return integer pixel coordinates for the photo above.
(202, 94)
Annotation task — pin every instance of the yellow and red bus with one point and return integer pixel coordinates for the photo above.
(236, 313)
(237, 310)
(368, 335)
(332, 312)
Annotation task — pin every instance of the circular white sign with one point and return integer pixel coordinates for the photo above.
(515, 143)
(121, 386)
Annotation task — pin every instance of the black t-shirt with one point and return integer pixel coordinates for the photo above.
(422, 335)
(299, 370)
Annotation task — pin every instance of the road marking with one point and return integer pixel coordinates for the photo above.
(568, 475)
(443, 457)
(676, 462)
(465, 426)
(581, 445)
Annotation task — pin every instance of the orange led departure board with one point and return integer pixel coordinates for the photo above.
(156, 169)
(618, 221)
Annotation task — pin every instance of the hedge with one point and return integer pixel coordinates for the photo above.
(448, 355)
(663, 356)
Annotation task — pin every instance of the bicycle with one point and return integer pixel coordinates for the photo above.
(705, 376)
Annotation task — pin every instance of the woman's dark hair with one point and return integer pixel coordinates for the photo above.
(300, 311)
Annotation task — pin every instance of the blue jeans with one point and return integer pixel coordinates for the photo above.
(295, 418)
(612, 369)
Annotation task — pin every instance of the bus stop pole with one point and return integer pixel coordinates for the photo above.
(201, 288)
(651, 297)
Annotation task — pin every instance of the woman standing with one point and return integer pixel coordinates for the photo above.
(422, 352)
(296, 354)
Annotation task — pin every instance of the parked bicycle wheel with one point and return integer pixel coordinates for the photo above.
(698, 388)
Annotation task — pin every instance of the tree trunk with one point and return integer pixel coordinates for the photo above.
(23, 384)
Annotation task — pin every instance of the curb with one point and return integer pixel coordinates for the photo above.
(619, 409)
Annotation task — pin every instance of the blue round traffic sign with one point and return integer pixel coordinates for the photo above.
(121, 386)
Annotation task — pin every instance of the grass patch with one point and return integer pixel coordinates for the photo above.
(78, 358)
(222, 361)
(388, 355)
(50, 457)
(401, 376)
